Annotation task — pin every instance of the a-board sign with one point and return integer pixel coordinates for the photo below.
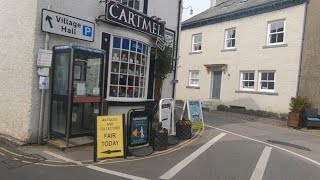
(166, 114)
(193, 109)
(110, 136)
(65, 25)
(195, 114)
(139, 128)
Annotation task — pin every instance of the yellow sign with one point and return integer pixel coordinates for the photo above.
(110, 137)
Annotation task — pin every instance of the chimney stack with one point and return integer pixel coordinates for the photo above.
(215, 2)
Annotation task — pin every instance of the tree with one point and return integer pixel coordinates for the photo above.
(163, 67)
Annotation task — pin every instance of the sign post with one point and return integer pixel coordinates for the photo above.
(110, 139)
(65, 25)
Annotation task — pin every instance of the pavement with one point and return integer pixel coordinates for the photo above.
(228, 148)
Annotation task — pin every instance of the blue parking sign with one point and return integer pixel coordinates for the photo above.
(87, 31)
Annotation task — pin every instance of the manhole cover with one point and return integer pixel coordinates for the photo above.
(290, 145)
(36, 157)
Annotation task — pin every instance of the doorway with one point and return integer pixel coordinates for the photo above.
(216, 79)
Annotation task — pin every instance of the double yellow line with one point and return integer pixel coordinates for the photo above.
(52, 163)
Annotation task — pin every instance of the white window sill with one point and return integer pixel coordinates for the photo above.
(228, 49)
(274, 46)
(193, 87)
(195, 52)
(258, 92)
(251, 90)
(124, 99)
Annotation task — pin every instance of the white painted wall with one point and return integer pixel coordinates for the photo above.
(250, 55)
(21, 38)
(17, 68)
(167, 10)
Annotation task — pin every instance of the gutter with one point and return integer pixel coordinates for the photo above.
(302, 45)
(177, 49)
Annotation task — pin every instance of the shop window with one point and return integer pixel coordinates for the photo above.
(128, 69)
(135, 4)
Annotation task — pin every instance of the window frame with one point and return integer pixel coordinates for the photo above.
(242, 80)
(190, 78)
(226, 39)
(268, 81)
(134, 1)
(269, 33)
(146, 75)
(193, 42)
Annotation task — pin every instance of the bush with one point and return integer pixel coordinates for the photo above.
(283, 116)
(222, 107)
(299, 104)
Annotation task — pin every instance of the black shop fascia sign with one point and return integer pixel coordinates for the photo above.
(128, 17)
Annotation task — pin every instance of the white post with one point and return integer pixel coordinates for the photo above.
(43, 93)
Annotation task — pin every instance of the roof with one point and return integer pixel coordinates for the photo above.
(235, 9)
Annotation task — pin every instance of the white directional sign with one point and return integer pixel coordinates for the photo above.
(61, 24)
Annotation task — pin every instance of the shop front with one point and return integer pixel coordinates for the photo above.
(109, 76)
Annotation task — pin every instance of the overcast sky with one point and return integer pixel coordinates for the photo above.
(197, 6)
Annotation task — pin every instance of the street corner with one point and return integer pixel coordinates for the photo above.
(79, 156)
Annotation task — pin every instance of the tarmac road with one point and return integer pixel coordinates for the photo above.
(228, 149)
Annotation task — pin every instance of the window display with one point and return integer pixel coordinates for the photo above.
(128, 69)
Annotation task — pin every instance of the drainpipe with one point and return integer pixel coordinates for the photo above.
(302, 44)
(177, 49)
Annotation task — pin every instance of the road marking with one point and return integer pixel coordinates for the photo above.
(156, 155)
(27, 162)
(262, 164)
(10, 152)
(62, 158)
(173, 171)
(96, 168)
(268, 144)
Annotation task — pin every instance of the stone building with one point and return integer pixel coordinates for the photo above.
(127, 47)
(244, 54)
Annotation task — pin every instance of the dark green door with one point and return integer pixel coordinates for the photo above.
(216, 84)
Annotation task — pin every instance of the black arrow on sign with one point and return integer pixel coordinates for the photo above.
(48, 18)
(110, 152)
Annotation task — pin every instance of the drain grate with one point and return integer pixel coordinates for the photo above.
(289, 145)
(2, 158)
(13, 163)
